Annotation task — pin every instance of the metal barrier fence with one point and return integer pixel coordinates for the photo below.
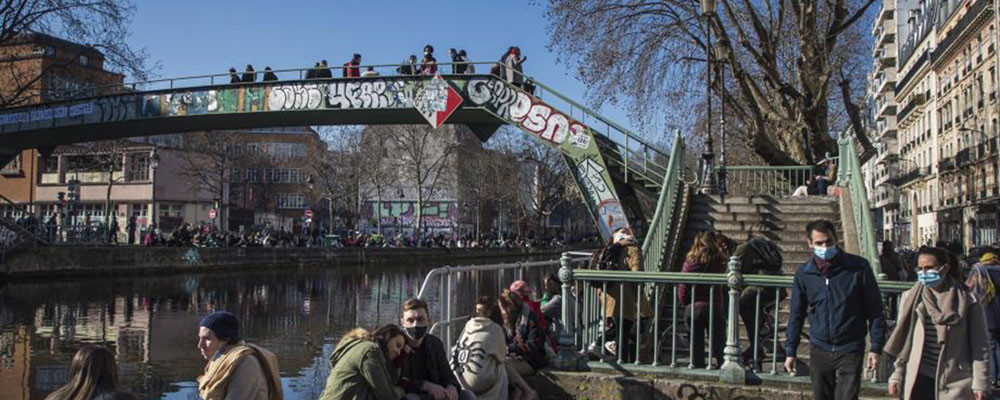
(447, 281)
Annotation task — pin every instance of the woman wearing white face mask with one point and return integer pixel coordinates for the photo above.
(940, 341)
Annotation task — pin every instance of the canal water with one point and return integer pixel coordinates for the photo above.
(151, 323)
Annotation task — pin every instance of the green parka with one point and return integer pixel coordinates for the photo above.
(358, 371)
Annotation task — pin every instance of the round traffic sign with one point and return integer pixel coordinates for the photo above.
(212, 213)
(309, 213)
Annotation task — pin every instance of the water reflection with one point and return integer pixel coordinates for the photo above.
(151, 322)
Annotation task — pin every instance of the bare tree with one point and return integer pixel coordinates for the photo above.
(424, 161)
(379, 171)
(209, 161)
(546, 181)
(339, 174)
(784, 57)
(99, 24)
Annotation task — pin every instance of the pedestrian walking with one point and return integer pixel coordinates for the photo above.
(269, 75)
(351, 68)
(466, 67)
(235, 369)
(249, 76)
(324, 69)
(513, 66)
(234, 77)
(130, 227)
(623, 254)
(428, 66)
(839, 293)
(940, 339)
(982, 282)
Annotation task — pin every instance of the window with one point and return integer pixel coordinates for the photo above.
(138, 168)
(12, 167)
(83, 60)
(252, 174)
(292, 201)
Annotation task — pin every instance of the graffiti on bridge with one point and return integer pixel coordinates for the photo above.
(572, 138)
(385, 93)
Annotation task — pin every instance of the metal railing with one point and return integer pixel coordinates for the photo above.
(447, 278)
(639, 158)
(672, 334)
(766, 180)
(851, 177)
(658, 244)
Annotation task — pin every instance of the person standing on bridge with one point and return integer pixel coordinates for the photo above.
(235, 369)
(839, 292)
(249, 76)
(514, 70)
(429, 64)
(269, 75)
(233, 76)
(323, 72)
(940, 341)
(351, 68)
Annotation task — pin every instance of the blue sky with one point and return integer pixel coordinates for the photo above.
(200, 37)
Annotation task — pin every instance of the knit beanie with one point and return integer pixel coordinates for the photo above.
(224, 324)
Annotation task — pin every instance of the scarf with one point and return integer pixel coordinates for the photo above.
(212, 385)
(945, 308)
(982, 287)
(824, 266)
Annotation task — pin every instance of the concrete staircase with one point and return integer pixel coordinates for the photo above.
(782, 220)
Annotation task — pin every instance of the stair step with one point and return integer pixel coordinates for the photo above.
(765, 199)
(780, 208)
(798, 227)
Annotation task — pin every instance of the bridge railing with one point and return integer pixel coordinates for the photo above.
(658, 244)
(752, 180)
(849, 175)
(676, 335)
(640, 157)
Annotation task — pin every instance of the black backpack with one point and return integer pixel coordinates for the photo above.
(607, 257)
(762, 255)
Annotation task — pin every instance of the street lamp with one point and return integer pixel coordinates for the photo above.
(154, 163)
(708, 185)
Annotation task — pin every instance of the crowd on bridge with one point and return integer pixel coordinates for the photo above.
(509, 66)
(942, 344)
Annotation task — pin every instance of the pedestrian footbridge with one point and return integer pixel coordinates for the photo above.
(612, 166)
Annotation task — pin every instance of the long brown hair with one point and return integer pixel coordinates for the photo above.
(706, 249)
(383, 335)
(511, 304)
(93, 371)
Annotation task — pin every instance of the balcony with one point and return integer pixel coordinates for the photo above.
(900, 178)
(963, 158)
(946, 165)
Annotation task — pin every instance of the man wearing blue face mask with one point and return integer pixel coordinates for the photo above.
(839, 292)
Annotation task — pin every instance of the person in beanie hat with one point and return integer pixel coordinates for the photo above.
(235, 369)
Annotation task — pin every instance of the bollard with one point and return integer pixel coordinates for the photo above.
(568, 359)
(732, 369)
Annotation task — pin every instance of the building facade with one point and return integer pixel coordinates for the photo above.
(36, 68)
(883, 195)
(965, 61)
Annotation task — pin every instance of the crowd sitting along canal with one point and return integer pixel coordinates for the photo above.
(943, 344)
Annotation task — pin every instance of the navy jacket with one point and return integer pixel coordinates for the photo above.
(841, 308)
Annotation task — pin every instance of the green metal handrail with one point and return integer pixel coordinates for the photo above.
(657, 246)
(849, 175)
(888, 287)
(751, 180)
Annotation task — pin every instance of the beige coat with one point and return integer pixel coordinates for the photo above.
(630, 259)
(963, 365)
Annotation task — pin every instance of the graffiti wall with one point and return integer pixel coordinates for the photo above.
(437, 214)
(572, 138)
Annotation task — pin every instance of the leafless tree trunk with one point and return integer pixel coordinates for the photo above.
(209, 160)
(424, 159)
(781, 54)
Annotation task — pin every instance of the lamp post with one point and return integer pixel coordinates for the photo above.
(708, 185)
(154, 163)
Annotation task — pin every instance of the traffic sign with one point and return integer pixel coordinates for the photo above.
(212, 213)
(309, 214)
